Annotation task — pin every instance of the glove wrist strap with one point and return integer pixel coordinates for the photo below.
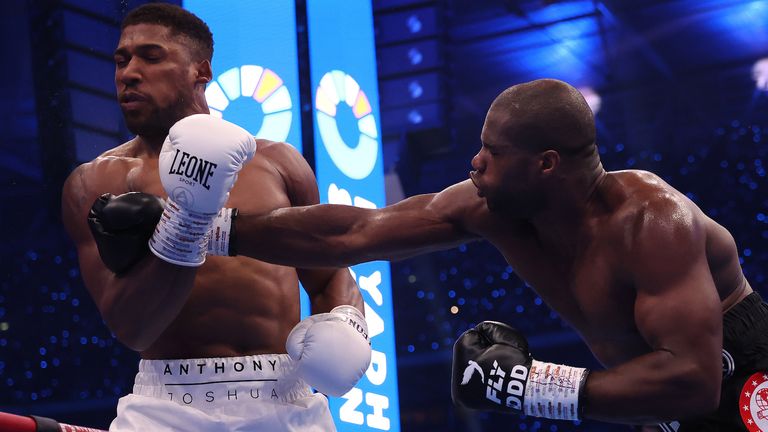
(222, 234)
(181, 236)
(354, 318)
(553, 390)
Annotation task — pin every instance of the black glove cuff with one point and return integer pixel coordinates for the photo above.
(233, 233)
(583, 394)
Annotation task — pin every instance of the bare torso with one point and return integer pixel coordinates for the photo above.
(589, 285)
(238, 305)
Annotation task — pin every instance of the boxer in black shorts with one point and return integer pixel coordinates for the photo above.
(652, 285)
(745, 362)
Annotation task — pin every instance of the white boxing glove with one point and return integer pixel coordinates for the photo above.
(198, 166)
(332, 349)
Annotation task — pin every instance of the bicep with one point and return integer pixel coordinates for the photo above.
(677, 308)
(76, 202)
(299, 180)
(680, 315)
(416, 225)
(330, 287)
(96, 276)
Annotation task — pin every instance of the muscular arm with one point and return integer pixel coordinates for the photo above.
(138, 305)
(327, 287)
(339, 235)
(677, 311)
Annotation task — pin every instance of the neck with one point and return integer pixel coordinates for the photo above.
(154, 142)
(561, 222)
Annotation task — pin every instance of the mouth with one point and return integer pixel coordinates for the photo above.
(473, 177)
(131, 99)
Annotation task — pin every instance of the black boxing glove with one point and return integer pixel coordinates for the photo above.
(122, 226)
(493, 370)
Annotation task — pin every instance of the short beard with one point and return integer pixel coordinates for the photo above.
(518, 207)
(147, 129)
(155, 125)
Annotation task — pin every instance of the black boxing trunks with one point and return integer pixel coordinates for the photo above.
(744, 394)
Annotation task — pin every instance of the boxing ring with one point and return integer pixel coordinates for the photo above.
(18, 423)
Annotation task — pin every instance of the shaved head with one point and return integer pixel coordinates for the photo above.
(546, 114)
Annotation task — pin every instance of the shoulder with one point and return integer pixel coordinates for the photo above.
(283, 157)
(461, 196)
(292, 168)
(120, 157)
(277, 151)
(460, 204)
(654, 202)
(660, 217)
(108, 172)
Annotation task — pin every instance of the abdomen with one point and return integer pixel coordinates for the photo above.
(238, 306)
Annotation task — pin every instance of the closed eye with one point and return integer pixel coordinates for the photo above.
(120, 61)
(491, 149)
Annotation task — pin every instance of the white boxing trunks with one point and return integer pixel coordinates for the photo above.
(251, 393)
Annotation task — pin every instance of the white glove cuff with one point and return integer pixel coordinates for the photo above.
(181, 236)
(553, 391)
(354, 318)
(221, 233)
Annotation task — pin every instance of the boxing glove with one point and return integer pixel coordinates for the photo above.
(121, 226)
(493, 370)
(331, 350)
(198, 165)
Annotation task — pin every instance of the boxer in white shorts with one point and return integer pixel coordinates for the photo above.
(174, 190)
(251, 393)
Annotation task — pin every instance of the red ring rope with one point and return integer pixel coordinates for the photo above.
(17, 423)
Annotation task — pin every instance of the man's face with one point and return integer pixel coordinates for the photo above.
(155, 78)
(505, 173)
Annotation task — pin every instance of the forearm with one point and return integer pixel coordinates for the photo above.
(651, 388)
(659, 386)
(341, 289)
(140, 304)
(313, 236)
(339, 236)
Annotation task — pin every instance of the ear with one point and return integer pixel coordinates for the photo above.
(549, 161)
(203, 72)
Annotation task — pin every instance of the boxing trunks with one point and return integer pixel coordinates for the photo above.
(744, 392)
(251, 393)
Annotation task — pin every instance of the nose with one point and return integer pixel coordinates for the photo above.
(130, 74)
(478, 163)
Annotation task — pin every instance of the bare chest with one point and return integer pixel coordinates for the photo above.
(587, 288)
(258, 189)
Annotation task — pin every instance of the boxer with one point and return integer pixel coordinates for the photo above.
(652, 285)
(219, 336)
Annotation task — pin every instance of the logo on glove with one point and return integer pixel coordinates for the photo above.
(192, 167)
(470, 370)
(515, 386)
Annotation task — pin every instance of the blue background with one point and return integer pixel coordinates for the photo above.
(254, 33)
(341, 38)
(678, 99)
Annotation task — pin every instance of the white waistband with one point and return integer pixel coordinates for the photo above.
(210, 382)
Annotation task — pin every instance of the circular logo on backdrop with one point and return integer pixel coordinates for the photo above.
(337, 87)
(753, 402)
(261, 85)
